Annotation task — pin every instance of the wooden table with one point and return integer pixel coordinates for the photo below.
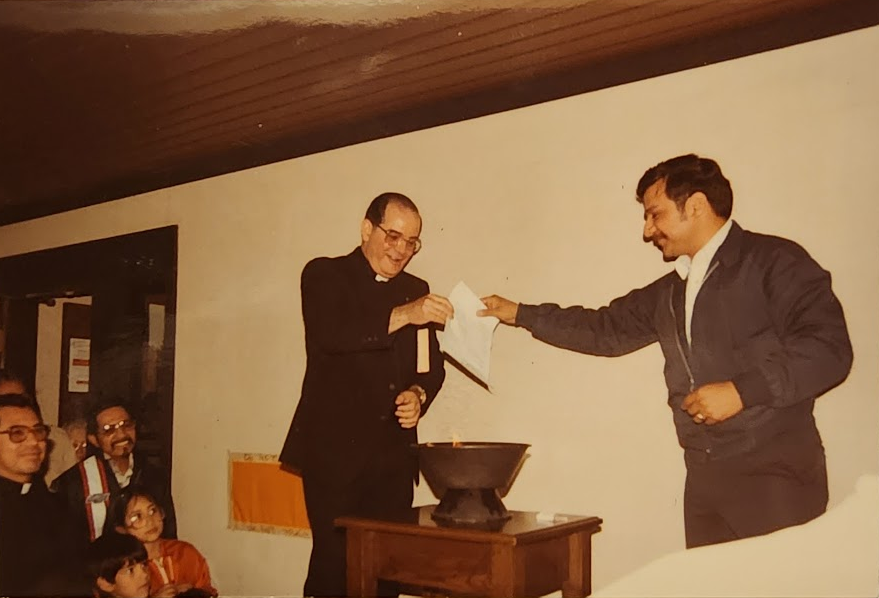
(528, 556)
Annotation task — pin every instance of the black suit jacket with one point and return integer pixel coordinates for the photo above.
(72, 490)
(345, 416)
(38, 556)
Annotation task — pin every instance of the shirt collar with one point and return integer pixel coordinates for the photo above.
(698, 265)
(682, 266)
(122, 478)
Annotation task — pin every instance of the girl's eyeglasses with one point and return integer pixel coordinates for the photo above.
(139, 519)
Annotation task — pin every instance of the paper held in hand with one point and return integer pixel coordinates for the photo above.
(467, 337)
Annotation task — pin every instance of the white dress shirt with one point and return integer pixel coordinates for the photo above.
(695, 270)
(124, 478)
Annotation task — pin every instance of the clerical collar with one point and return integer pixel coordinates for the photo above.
(367, 267)
(8, 486)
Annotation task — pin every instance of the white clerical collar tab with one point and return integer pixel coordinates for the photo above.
(380, 278)
(682, 266)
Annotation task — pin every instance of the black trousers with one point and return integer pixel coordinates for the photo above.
(782, 485)
(384, 490)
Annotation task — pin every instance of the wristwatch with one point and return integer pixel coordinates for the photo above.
(422, 394)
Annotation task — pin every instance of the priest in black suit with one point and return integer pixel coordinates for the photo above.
(37, 552)
(374, 366)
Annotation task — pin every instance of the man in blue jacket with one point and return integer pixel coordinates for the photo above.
(752, 334)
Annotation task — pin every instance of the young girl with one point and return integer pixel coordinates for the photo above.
(175, 566)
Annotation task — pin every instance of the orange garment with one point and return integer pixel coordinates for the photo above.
(179, 562)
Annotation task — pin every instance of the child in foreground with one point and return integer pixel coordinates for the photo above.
(174, 566)
(117, 564)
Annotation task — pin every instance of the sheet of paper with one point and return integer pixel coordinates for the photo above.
(467, 337)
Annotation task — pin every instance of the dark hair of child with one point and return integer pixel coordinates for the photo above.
(110, 553)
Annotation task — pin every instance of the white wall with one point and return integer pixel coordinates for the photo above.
(536, 204)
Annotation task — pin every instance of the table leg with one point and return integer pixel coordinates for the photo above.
(579, 582)
(361, 574)
(507, 572)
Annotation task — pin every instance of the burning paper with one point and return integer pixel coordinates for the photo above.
(467, 337)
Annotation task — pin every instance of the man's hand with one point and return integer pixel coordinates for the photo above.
(713, 403)
(503, 309)
(408, 408)
(430, 308)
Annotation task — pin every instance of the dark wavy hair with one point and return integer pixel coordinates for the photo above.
(686, 175)
(111, 552)
(102, 405)
(375, 213)
(21, 401)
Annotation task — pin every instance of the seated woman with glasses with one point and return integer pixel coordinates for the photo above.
(175, 566)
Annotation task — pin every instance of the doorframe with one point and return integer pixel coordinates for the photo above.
(103, 267)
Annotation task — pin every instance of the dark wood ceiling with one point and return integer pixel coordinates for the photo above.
(106, 99)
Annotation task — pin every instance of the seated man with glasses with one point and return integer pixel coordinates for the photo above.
(61, 453)
(374, 367)
(36, 556)
(111, 465)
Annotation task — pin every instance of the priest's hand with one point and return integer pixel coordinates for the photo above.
(408, 408)
(429, 308)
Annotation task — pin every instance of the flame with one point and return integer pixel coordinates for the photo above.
(456, 440)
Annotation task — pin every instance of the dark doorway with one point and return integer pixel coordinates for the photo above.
(132, 282)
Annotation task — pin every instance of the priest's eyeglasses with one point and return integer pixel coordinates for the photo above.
(18, 434)
(393, 237)
(122, 424)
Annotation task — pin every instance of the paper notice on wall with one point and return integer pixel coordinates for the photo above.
(78, 366)
(467, 337)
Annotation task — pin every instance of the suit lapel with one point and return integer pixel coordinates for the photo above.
(679, 288)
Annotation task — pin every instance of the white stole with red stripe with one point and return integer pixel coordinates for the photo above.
(96, 493)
